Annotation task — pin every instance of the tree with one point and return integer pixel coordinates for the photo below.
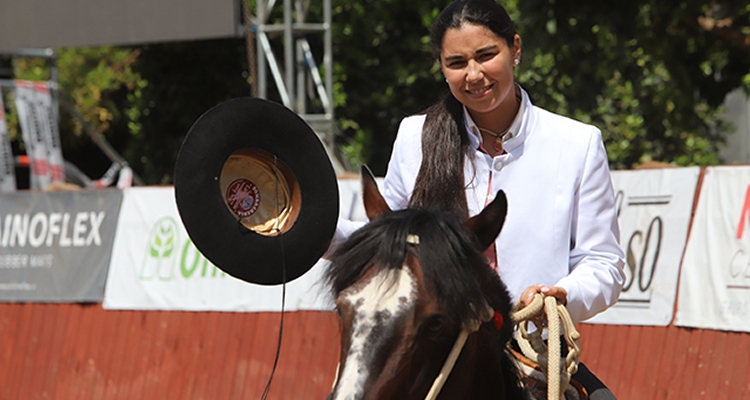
(383, 71)
(651, 73)
(181, 81)
(90, 78)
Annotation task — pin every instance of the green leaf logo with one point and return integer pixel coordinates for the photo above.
(158, 259)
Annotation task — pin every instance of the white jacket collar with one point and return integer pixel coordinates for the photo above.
(516, 134)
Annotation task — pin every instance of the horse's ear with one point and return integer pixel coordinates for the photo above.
(487, 224)
(374, 202)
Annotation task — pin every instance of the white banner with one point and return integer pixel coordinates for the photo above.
(7, 163)
(40, 133)
(47, 114)
(715, 278)
(32, 137)
(654, 207)
(155, 266)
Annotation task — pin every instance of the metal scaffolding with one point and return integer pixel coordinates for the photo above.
(297, 77)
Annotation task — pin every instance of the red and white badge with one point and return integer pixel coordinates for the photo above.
(243, 197)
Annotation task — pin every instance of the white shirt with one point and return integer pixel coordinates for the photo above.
(561, 228)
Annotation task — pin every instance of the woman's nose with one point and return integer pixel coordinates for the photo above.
(473, 71)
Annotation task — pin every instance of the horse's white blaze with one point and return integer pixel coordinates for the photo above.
(376, 303)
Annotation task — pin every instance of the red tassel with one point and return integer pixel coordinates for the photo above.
(498, 321)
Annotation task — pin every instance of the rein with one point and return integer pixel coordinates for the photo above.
(531, 344)
(548, 356)
(468, 328)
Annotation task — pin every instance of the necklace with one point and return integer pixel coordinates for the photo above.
(498, 143)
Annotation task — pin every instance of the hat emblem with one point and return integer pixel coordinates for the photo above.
(243, 197)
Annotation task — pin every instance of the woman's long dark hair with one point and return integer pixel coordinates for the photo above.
(445, 141)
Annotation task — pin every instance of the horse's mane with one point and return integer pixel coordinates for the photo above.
(454, 268)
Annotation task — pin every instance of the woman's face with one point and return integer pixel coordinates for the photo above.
(478, 66)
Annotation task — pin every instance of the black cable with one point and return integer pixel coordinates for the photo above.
(281, 325)
(283, 288)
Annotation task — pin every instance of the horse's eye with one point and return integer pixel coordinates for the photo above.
(434, 324)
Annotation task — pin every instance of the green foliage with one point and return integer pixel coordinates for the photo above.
(649, 73)
(182, 81)
(383, 72)
(92, 78)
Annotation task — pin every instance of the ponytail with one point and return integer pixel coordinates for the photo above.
(445, 144)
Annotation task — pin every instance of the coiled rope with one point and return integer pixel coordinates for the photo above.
(548, 312)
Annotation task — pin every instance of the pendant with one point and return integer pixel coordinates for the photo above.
(498, 144)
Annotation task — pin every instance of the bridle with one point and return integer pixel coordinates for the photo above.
(467, 329)
(544, 311)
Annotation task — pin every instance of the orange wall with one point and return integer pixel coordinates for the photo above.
(650, 362)
(75, 351)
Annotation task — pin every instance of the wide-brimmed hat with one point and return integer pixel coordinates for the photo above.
(256, 191)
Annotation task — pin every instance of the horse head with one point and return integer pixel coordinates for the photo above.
(407, 285)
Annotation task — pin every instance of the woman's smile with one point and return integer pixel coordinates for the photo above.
(481, 91)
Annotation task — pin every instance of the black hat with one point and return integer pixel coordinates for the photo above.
(256, 191)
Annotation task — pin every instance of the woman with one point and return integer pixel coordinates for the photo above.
(561, 236)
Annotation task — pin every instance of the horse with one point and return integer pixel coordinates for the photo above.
(408, 286)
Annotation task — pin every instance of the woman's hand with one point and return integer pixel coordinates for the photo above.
(528, 295)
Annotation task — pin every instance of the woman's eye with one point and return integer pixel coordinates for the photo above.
(485, 56)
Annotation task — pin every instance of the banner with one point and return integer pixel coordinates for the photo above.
(654, 208)
(715, 278)
(40, 132)
(56, 246)
(47, 114)
(7, 163)
(155, 266)
(32, 136)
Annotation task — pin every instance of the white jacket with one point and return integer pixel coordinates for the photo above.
(561, 228)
